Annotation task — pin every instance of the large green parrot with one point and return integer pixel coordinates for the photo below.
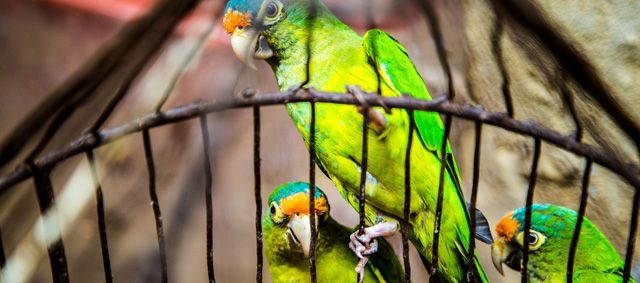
(549, 241)
(280, 32)
(287, 235)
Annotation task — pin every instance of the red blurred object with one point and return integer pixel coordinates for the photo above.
(119, 9)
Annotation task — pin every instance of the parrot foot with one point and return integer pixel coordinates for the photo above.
(364, 245)
(376, 117)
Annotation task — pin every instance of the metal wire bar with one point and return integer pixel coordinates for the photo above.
(436, 227)
(312, 193)
(257, 191)
(3, 258)
(529, 203)
(363, 166)
(55, 249)
(631, 242)
(567, 99)
(206, 143)
(496, 48)
(529, 16)
(97, 70)
(436, 32)
(474, 198)
(102, 226)
(187, 60)
(630, 172)
(407, 200)
(148, 153)
(581, 211)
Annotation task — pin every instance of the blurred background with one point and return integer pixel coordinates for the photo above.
(44, 42)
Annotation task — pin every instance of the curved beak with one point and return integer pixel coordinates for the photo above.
(299, 234)
(502, 252)
(248, 44)
(498, 256)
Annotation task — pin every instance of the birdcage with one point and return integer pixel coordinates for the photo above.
(113, 72)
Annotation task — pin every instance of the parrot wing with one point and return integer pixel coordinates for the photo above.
(393, 66)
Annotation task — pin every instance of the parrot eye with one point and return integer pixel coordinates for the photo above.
(271, 10)
(276, 215)
(533, 239)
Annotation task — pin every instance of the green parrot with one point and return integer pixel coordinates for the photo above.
(287, 235)
(549, 242)
(281, 32)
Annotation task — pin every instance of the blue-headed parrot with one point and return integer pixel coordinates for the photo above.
(281, 32)
(287, 235)
(549, 241)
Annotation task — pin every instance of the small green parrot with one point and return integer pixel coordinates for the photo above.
(281, 32)
(287, 235)
(549, 242)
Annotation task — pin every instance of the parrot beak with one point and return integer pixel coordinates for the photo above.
(502, 252)
(497, 254)
(299, 233)
(248, 44)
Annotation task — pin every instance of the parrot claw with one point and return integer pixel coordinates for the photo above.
(377, 118)
(363, 246)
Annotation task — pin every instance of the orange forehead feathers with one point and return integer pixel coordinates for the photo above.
(234, 19)
(507, 227)
(299, 203)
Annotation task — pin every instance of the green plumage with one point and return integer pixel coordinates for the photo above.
(335, 262)
(375, 62)
(596, 260)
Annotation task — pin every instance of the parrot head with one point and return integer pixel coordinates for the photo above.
(549, 239)
(259, 29)
(287, 220)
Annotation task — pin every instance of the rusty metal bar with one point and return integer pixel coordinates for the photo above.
(567, 99)
(3, 258)
(436, 32)
(474, 198)
(206, 143)
(630, 172)
(257, 191)
(529, 202)
(363, 166)
(530, 17)
(148, 153)
(496, 48)
(102, 226)
(407, 200)
(581, 211)
(312, 193)
(51, 225)
(631, 242)
(436, 227)
(92, 74)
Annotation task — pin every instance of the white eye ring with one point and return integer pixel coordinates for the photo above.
(533, 239)
(271, 10)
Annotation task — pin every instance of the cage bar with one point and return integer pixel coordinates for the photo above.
(102, 226)
(438, 218)
(529, 202)
(631, 242)
(3, 259)
(55, 249)
(581, 211)
(206, 143)
(312, 193)
(155, 204)
(496, 49)
(474, 199)
(257, 191)
(407, 200)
